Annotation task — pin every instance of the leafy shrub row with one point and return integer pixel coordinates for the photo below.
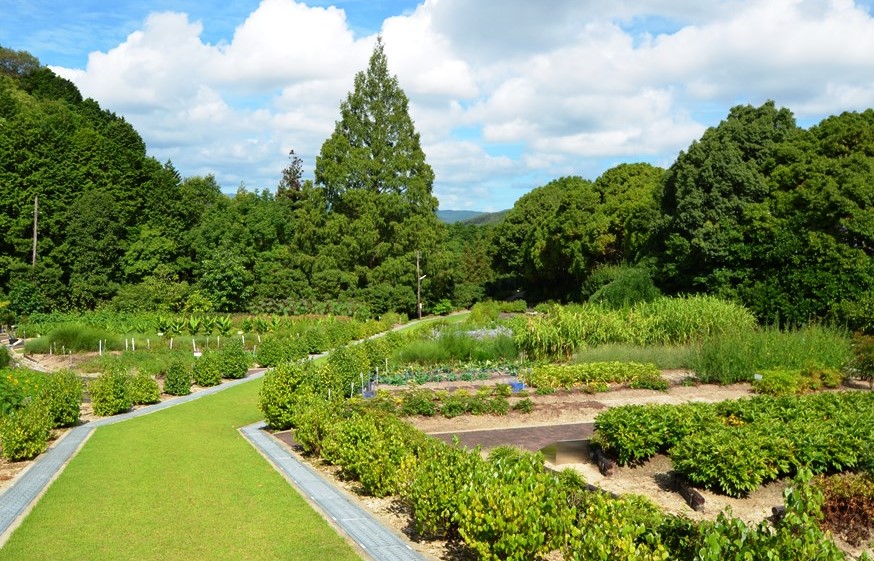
(230, 361)
(507, 506)
(735, 446)
(784, 381)
(427, 403)
(563, 330)
(34, 404)
(594, 376)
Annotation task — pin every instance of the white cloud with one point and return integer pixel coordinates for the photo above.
(506, 95)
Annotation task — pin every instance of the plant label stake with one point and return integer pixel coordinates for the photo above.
(193, 346)
(133, 344)
(125, 343)
(171, 342)
(149, 344)
(351, 389)
(100, 347)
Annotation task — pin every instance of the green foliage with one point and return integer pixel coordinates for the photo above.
(431, 489)
(5, 359)
(277, 398)
(736, 357)
(454, 345)
(795, 381)
(418, 402)
(442, 308)
(668, 321)
(664, 357)
(524, 405)
(371, 450)
(275, 350)
(62, 395)
(234, 359)
(862, 364)
(620, 287)
(109, 393)
(208, 369)
(178, 378)
(575, 376)
(24, 432)
(735, 446)
(73, 337)
(143, 389)
(511, 508)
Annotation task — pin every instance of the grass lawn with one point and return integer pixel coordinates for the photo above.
(178, 484)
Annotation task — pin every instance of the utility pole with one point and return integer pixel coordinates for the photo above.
(35, 214)
(418, 286)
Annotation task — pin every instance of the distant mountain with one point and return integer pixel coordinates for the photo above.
(486, 218)
(452, 216)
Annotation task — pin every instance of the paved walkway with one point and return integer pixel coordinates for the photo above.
(375, 540)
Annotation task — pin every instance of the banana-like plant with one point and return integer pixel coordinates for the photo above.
(224, 325)
(195, 324)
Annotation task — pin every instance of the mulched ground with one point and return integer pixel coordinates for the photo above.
(528, 438)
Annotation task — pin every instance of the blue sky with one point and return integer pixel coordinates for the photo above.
(506, 95)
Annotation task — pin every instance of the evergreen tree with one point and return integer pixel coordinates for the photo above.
(378, 192)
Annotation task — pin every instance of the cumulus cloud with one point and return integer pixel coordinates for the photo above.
(506, 95)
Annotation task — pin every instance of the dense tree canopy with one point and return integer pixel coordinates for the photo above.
(758, 210)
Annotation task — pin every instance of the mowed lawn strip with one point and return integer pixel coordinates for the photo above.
(178, 484)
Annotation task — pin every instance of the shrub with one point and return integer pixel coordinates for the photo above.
(862, 365)
(511, 508)
(432, 489)
(626, 287)
(524, 406)
(143, 389)
(484, 313)
(276, 400)
(109, 393)
(62, 395)
(371, 449)
(5, 359)
(177, 378)
(234, 360)
(848, 505)
(577, 375)
(208, 369)
(312, 418)
(442, 308)
(24, 433)
(418, 402)
(274, 350)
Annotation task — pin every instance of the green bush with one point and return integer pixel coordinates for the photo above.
(511, 508)
(275, 349)
(281, 387)
(62, 395)
(109, 393)
(178, 378)
(5, 359)
(208, 369)
(484, 313)
(418, 402)
(24, 433)
(624, 287)
(862, 364)
(524, 405)
(234, 359)
(571, 376)
(143, 389)
(442, 308)
(432, 488)
(371, 450)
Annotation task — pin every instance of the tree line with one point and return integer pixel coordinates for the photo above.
(759, 210)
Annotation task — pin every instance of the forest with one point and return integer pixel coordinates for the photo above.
(758, 210)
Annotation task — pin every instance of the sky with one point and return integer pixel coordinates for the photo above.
(506, 94)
